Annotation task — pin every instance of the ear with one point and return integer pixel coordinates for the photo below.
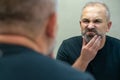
(80, 24)
(52, 26)
(109, 26)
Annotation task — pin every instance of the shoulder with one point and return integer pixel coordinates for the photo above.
(23, 62)
(77, 40)
(57, 70)
(113, 41)
(71, 44)
(73, 39)
(40, 67)
(60, 69)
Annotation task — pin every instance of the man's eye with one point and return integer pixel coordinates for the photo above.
(97, 21)
(85, 21)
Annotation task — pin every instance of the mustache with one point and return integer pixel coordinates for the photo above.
(89, 37)
(90, 30)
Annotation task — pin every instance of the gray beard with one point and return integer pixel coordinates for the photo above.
(89, 37)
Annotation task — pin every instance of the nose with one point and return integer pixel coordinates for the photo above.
(91, 25)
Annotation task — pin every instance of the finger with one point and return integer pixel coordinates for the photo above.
(96, 44)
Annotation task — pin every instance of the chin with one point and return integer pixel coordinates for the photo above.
(88, 38)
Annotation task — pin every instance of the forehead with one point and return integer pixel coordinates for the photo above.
(93, 12)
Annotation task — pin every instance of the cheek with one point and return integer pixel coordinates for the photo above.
(82, 29)
(102, 30)
(102, 27)
(82, 26)
(105, 29)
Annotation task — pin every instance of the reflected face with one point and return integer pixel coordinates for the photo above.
(94, 22)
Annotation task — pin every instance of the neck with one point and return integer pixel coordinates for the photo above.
(21, 40)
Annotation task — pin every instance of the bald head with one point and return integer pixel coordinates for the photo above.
(24, 16)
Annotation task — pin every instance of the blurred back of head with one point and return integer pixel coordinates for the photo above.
(24, 17)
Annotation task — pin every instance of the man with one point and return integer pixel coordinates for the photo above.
(27, 35)
(94, 52)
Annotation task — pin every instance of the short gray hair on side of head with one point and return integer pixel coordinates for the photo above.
(94, 3)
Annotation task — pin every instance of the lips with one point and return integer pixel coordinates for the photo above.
(90, 33)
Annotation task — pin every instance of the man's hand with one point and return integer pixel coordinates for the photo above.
(88, 52)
